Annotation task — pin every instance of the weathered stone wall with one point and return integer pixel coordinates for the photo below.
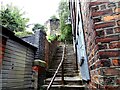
(45, 49)
(101, 22)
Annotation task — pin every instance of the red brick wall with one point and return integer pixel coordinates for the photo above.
(102, 35)
(47, 52)
(50, 49)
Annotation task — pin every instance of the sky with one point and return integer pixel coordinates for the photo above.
(38, 11)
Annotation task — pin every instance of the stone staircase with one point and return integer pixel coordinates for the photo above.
(71, 75)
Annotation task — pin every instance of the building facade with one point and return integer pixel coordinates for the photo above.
(96, 31)
(52, 27)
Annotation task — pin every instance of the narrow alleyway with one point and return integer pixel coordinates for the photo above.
(72, 78)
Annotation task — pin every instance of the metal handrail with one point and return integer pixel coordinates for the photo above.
(61, 64)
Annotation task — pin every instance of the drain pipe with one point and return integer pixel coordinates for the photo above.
(84, 35)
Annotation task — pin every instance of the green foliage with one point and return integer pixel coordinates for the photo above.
(38, 26)
(63, 14)
(52, 38)
(23, 34)
(12, 18)
(67, 34)
(63, 8)
(61, 38)
(66, 30)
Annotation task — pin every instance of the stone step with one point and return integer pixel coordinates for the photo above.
(65, 74)
(71, 64)
(68, 67)
(65, 68)
(72, 70)
(68, 59)
(65, 87)
(60, 49)
(68, 81)
(68, 62)
(65, 65)
(70, 56)
(72, 82)
(65, 71)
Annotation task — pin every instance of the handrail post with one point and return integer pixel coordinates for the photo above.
(63, 81)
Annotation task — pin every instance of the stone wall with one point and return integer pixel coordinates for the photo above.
(45, 49)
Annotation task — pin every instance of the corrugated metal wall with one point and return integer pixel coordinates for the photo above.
(16, 61)
(2, 50)
(17, 66)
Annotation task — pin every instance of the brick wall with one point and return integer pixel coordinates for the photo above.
(50, 49)
(102, 36)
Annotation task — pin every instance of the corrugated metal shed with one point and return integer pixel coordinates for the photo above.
(17, 60)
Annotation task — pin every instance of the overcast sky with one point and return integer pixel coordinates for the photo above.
(38, 11)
